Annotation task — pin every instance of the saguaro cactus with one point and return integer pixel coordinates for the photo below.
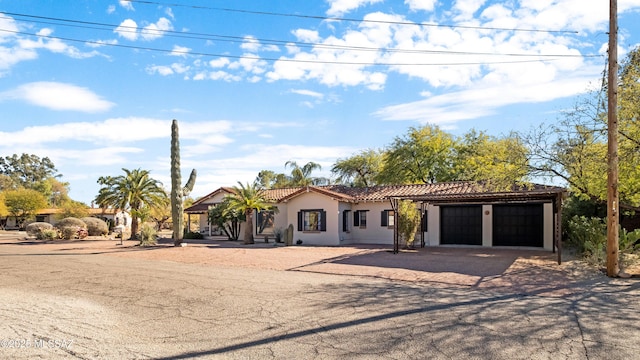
(177, 191)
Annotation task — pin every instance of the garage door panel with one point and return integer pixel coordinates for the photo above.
(461, 225)
(518, 225)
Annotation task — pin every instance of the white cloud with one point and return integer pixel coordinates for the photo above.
(155, 31)
(127, 29)
(59, 97)
(101, 43)
(467, 8)
(169, 13)
(111, 9)
(421, 5)
(310, 93)
(160, 69)
(341, 7)
(251, 44)
(126, 4)
(180, 51)
(218, 63)
(118, 131)
(484, 98)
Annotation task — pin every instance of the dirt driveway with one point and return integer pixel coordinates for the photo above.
(511, 270)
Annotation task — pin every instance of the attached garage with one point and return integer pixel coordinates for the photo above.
(518, 225)
(461, 225)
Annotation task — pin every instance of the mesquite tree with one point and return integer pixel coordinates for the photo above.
(177, 191)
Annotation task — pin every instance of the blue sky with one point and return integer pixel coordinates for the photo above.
(94, 84)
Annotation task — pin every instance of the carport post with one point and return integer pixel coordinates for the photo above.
(394, 206)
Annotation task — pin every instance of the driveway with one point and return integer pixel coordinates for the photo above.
(96, 299)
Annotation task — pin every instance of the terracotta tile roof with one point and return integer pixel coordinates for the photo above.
(277, 195)
(457, 190)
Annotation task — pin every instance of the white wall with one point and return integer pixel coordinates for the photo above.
(374, 232)
(432, 237)
(309, 201)
(549, 232)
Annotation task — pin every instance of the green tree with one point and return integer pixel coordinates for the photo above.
(500, 162)
(131, 191)
(24, 204)
(246, 199)
(268, 179)
(227, 218)
(360, 169)
(4, 211)
(424, 155)
(7, 183)
(26, 169)
(575, 148)
(301, 175)
(72, 208)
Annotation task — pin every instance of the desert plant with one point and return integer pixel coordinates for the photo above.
(95, 226)
(48, 234)
(148, 235)
(72, 228)
(589, 237)
(35, 228)
(408, 221)
(178, 192)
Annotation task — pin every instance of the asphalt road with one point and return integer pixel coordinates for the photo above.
(101, 306)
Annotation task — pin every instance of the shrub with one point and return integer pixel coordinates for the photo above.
(589, 237)
(95, 226)
(193, 235)
(72, 228)
(48, 234)
(148, 235)
(35, 228)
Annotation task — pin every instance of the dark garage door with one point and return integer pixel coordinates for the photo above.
(518, 225)
(461, 225)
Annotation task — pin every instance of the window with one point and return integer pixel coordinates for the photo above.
(264, 222)
(360, 218)
(312, 220)
(345, 221)
(387, 218)
(40, 218)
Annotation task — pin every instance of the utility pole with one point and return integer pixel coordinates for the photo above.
(613, 209)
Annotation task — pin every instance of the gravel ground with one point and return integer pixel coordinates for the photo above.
(216, 299)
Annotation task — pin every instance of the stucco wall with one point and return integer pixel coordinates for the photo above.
(374, 232)
(310, 201)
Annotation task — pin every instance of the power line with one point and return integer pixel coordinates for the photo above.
(317, 17)
(229, 38)
(270, 59)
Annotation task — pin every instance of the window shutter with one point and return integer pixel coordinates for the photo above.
(356, 218)
(345, 219)
(299, 220)
(424, 222)
(323, 221)
(384, 217)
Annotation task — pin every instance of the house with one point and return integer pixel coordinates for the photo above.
(453, 213)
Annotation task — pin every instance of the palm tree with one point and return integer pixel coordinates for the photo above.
(247, 199)
(301, 176)
(132, 191)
